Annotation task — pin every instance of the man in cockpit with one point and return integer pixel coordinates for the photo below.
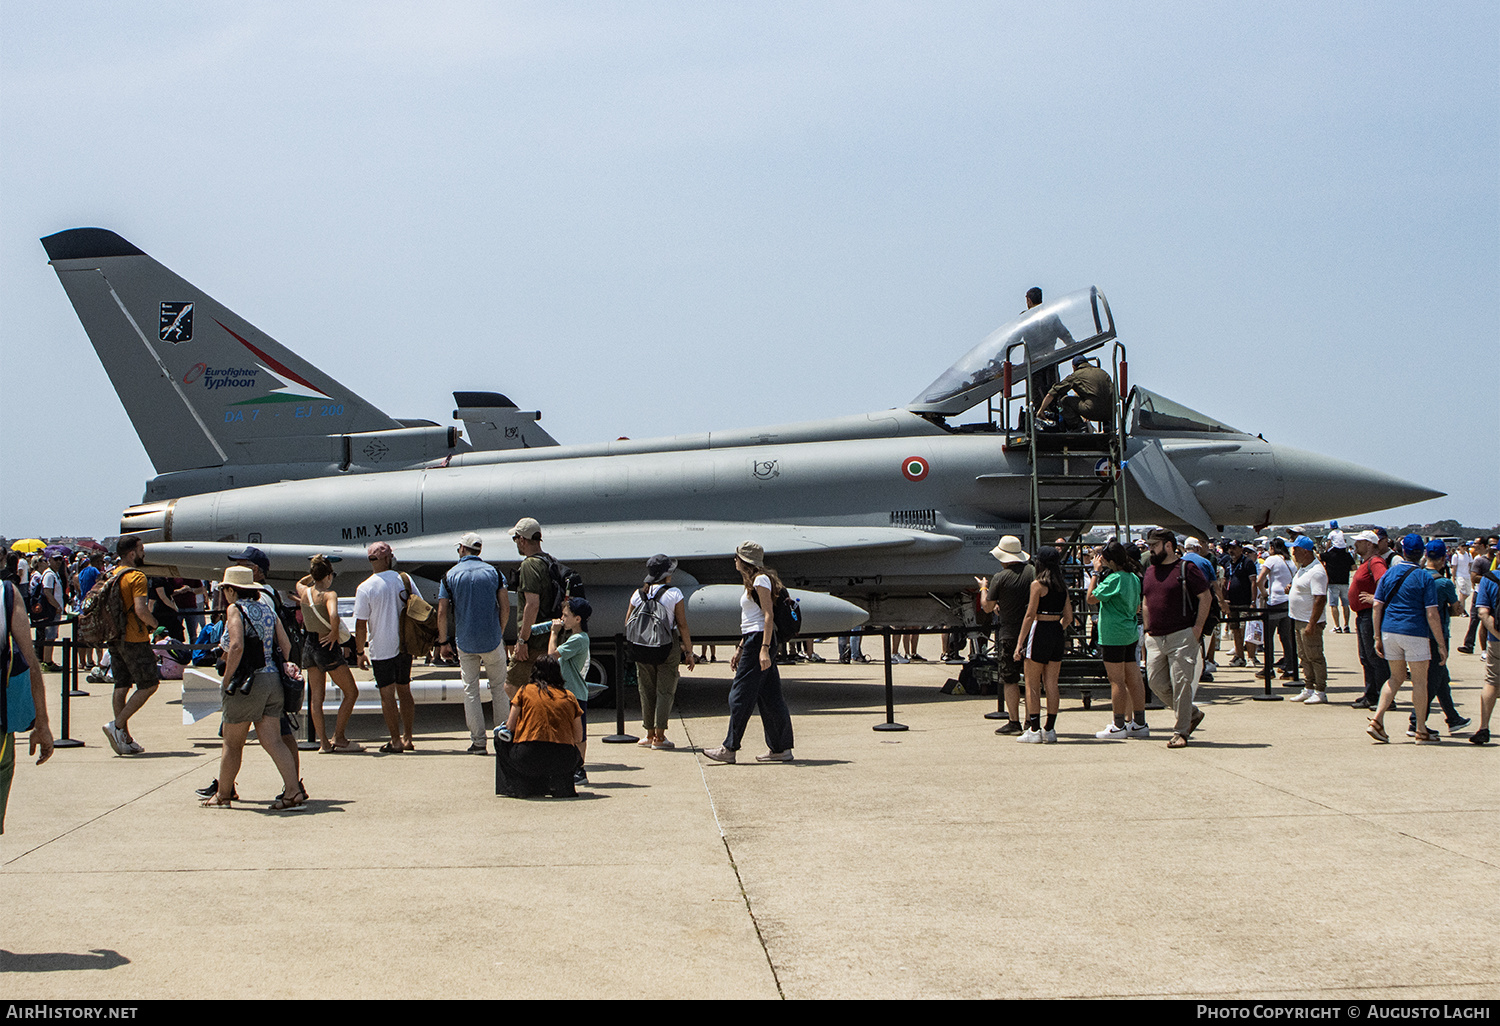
(1042, 337)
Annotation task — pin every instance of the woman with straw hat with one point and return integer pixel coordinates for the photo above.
(257, 700)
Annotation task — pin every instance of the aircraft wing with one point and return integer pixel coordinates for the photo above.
(580, 544)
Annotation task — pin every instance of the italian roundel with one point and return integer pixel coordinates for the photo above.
(914, 468)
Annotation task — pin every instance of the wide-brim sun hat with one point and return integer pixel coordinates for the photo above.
(658, 568)
(1009, 550)
(240, 578)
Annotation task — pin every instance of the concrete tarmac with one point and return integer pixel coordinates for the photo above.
(1282, 854)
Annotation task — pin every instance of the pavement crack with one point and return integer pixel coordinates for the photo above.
(1358, 817)
(94, 819)
(760, 937)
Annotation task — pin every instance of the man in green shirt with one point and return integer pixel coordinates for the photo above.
(535, 593)
(1092, 398)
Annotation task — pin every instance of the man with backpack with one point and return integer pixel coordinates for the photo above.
(656, 628)
(538, 598)
(475, 591)
(1175, 602)
(132, 660)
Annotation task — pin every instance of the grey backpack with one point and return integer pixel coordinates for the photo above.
(649, 631)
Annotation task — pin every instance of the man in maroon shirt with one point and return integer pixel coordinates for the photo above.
(1362, 600)
(1175, 601)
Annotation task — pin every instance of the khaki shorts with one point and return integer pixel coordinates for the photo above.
(264, 699)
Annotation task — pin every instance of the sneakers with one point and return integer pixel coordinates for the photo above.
(1206, 677)
(897, 657)
(1138, 730)
(1480, 737)
(1362, 703)
(785, 756)
(1239, 661)
(1305, 694)
(1211, 666)
(917, 659)
(477, 748)
(1030, 737)
(213, 789)
(1317, 698)
(580, 777)
(116, 738)
(720, 754)
(1113, 733)
(1049, 737)
(953, 660)
(1454, 728)
(1011, 727)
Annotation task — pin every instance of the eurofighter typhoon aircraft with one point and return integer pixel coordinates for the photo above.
(885, 517)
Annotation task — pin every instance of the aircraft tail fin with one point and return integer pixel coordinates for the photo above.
(203, 386)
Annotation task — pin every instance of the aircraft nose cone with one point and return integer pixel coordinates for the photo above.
(1316, 487)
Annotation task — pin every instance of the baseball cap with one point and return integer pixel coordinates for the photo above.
(470, 540)
(526, 528)
(1080, 360)
(250, 554)
(1367, 536)
(380, 549)
(1304, 542)
(1436, 549)
(1412, 542)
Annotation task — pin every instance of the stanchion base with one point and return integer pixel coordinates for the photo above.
(995, 714)
(307, 746)
(619, 739)
(1268, 698)
(68, 742)
(78, 694)
(890, 726)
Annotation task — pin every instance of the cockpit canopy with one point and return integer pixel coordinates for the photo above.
(1153, 414)
(1041, 337)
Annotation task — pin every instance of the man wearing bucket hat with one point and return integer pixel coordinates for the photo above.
(475, 591)
(1006, 595)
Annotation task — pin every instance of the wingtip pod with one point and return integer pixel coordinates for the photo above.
(87, 244)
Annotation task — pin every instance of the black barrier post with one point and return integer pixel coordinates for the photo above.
(69, 671)
(890, 689)
(619, 737)
(1268, 649)
(72, 680)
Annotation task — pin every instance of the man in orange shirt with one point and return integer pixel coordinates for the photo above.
(132, 661)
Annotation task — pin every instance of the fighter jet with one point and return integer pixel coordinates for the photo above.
(885, 516)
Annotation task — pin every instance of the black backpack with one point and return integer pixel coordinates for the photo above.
(566, 583)
(788, 614)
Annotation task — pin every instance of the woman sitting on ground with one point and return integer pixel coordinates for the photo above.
(323, 654)
(546, 727)
(258, 700)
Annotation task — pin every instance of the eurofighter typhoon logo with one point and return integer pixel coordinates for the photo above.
(176, 323)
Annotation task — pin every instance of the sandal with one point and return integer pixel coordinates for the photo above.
(390, 749)
(1427, 737)
(348, 746)
(283, 803)
(215, 802)
(1178, 741)
(663, 745)
(1376, 731)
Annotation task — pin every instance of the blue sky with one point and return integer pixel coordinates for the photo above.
(648, 219)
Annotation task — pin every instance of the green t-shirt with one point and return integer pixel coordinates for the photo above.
(1119, 597)
(535, 578)
(572, 658)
